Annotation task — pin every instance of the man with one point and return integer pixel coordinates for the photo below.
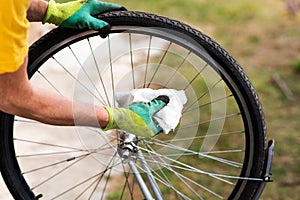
(19, 97)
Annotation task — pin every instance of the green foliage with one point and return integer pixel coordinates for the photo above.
(295, 65)
(114, 195)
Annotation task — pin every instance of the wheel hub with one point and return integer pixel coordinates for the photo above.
(127, 147)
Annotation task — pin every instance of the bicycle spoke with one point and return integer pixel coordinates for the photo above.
(62, 170)
(99, 175)
(95, 182)
(164, 182)
(177, 68)
(77, 81)
(224, 161)
(108, 176)
(209, 103)
(205, 136)
(75, 186)
(126, 183)
(108, 143)
(49, 82)
(55, 164)
(131, 60)
(167, 167)
(209, 121)
(181, 177)
(99, 73)
(193, 169)
(88, 76)
(169, 185)
(147, 62)
(111, 72)
(205, 153)
(205, 93)
(47, 154)
(159, 64)
(48, 144)
(196, 76)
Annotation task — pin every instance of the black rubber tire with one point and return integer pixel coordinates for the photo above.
(58, 38)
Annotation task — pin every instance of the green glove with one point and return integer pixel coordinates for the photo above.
(137, 118)
(78, 14)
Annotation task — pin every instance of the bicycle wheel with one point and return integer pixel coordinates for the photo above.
(216, 152)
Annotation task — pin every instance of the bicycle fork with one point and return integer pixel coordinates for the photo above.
(129, 152)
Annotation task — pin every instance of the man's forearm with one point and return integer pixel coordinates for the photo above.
(18, 97)
(37, 10)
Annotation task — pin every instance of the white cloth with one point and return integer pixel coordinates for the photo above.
(168, 117)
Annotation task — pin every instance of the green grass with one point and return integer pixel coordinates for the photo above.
(198, 11)
(295, 65)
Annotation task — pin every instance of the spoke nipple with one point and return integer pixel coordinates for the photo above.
(39, 196)
(70, 159)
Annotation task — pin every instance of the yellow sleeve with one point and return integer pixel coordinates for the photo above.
(13, 34)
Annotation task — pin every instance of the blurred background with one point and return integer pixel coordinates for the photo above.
(264, 37)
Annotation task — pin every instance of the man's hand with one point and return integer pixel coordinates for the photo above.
(78, 14)
(137, 118)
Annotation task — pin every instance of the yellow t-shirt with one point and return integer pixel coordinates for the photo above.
(13, 34)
